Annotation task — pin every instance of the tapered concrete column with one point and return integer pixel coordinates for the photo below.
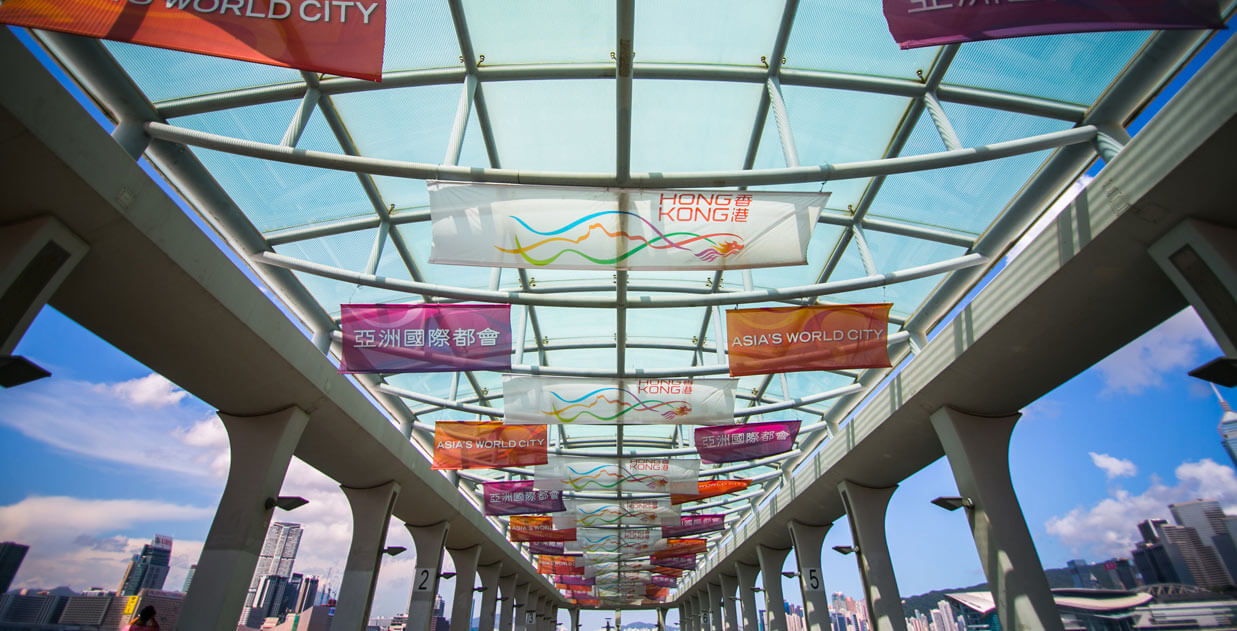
(771, 562)
(465, 561)
(730, 616)
(618, 620)
(543, 613)
(683, 614)
(530, 611)
(691, 619)
(865, 509)
(701, 619)
(661, 618)
(715, 607)
(574, 620)
(552, 623)
(261, 448)
(506, 611)
(371, 512)
(36, 256)
(522, 607)
(429, 541)
(808, 542)
(978, 452)
(488, 574)
(1200, 258)
(747, 595)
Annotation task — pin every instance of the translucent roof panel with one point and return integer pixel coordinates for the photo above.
(691, 125)
(707, 31)
(553, 125)
(558, 30)
(420, 35)
(850, 37)
(150, 68)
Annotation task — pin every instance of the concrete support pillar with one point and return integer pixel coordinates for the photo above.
(531, 608)
(1200, 258)
(771, 562)
(683, 615)
(371, 513)
(730, 616)
(261, 448)
(465, 561)
(691, 619)
(552, 623)
(489, 594)
(574, 619)
(747, 595)
(36, 255)
(543, 614)
(808, 541)
(661, 618)
(865, 509)
(429, 542)
(978, 452)
(506, 611)
(715, 607)
(523, 593)
(701, 619)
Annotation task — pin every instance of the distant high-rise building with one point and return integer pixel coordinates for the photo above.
(276, 559)
(1202, 560)
(11, 555)
(1228, 427)
(30, 607)
(305, 598)
(88, 609)
(189, 578)
(149, 569)
(1151, 556)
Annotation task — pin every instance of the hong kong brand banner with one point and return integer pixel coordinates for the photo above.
(536, 528)
(486, 445)
(519, 498)
(653, 512)
(507, 225)
(694, 525)
(541, 400)
(790, 339)
(425, 338)
(915, 23)
(343, 38)
(663, 475)
(629, 541)
(745, 442)
(710, 488)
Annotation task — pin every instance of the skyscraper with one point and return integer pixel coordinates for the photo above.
(1228, 427)
(148, 569)
(276, 559)
(11, 555)
(1208, 519)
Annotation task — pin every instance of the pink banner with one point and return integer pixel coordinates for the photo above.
(694, 525)
(665, 581)
(681, 562)
(546, 547)
(916, 23)
(519, 498)
(575, 580)
(425, 338)
(731, 443)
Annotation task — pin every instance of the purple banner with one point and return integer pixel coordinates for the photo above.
(664, 581)
(916, 23)
(694, 525)
(519, 498)
(574, 580)
(546, 547)
(683, 562)
(425, 338)
(731, 443)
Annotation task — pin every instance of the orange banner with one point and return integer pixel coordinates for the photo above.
(556, 564)
(487, 445)
(679, 547)
(537, 528)
(343, 38)
(794, 339)
(710, 488)
(668, 571)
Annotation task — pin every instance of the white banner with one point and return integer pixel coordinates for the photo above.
(615, 543)
(660, 475)
(582, 401)
(511, 225)
(582, 513)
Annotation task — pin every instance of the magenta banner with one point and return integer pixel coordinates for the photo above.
(664, 581)
(682, 562)
(574, 580)
(425, 338)
(694, 525)
(731, 443)
(916, 23)
(546, 547)
(519, 498)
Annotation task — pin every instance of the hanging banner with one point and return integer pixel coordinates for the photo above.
(425, 338)
(574, 589)
(680, 562)
(656, 593)
(343, 38)
(540, 400)
(794, 339)
(626, 542)
(662, 475)
(665, 581)
(519, 498)
(486, 445)
(669, 571)
(917, 23)
(694, 525)
(656, 512)
(507, 225)
(586, 602)
(574, 580)
(556, 564)
(536, 528)
(546, 547)
(680, 547)
(710, 488)
(745, 442)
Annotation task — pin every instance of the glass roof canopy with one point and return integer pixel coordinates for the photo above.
(320, 182)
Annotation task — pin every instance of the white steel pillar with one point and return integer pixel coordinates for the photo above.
(771, 562)
(808, 541)
(371, 513)
(865, 509)
(429, 542)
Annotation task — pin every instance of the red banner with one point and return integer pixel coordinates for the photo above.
(668, 571)
(732, 443)
(680, 547)
(794, 339)
(678, 563)
(710, 488)
(343, 38)
(537, 528)
(518, 497)
(487, 445)
(425, 338)
(915, 23)
(694, 525)
(564, 587)
(548, 564)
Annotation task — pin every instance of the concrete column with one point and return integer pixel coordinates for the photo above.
(574, 623)
(552, 623)
(978, 452)
(747, 595)
(865, 509)
(522, 607)
(530, 611)
(465, 561)
(261, 448)
(661, 619)
(429, 542)
(690, 619)
(36, 255)
(730, 584)
(771, 562)
(1200, 258)
(715, 607)
(371, 513)
(683, 614)
(507, 610)
(489, 594)
(808, 541)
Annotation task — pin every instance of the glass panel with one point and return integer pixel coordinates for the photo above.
(553, 125)
(824, 236)
(691, 125)
(547, 31)
(851, 37)
(707, 31)
(349, 251)
(419, 35)
(170, 74)
(417, 236)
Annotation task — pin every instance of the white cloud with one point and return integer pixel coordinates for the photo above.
(1110, 527)
(1174, 346)
(149, 391)
(1113, 467)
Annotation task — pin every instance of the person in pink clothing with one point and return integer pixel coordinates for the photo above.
(145, 620)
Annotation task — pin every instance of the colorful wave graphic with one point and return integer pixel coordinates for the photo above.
(582, 480)
(710, 246)
(575, 409)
